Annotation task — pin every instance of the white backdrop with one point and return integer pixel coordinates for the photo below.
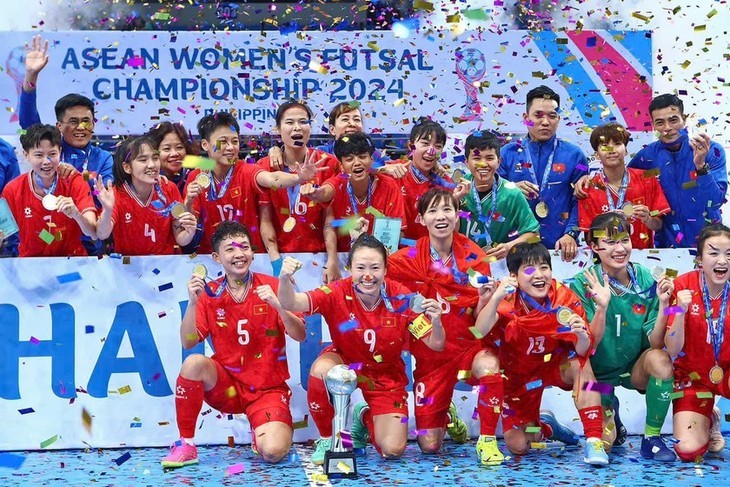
(117, 350)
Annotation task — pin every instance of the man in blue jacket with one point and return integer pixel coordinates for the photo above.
(692, 172)
(74, 118)
(545, 167)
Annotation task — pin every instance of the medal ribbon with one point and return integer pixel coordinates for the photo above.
(353, 199)
(74, 156)
(218, 292)
(621, 191)
(531, 166)
(51, 188)
(214, 194)
(293, 196)
(487, 220)
(647, 293)
(459, 277)
(532, 302)
(716, 332)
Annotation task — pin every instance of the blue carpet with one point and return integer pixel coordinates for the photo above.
(456, 465)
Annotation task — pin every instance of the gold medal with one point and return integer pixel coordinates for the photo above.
(716, 374)
(628, 210)
(50, 202)
(178, 210)
(564, 315)
(200, 271)
(541, 210)
(457, 176)
(203, 180)
(289, 224)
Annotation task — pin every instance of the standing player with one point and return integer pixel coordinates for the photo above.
(368, 318)
(426, 143)
(617, 188)
(695, 336)
(439, 267)
(499, 215)
(544, 167)
(546, 342)
(234, 190)
(144, 210)
(298, 222)
(248, 372)
(357, 192)
(627, 339)
(52, 212)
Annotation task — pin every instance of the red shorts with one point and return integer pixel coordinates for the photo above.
(522, 406)
(689, 400)
(384, 394)
(434, 390)
(260, 406)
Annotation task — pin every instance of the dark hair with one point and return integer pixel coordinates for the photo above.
(713, 230)
(227, 229)
(291, 104)
(210, 123)
(353, 144)
(481, 141)
(161, 130)
(608, 225)
(541, 91)
(609, 132)
(126, 152)
(526, 253)
(664, 101)
(72, 100)
(36, 133)
(341, 108)
(426, 129)
(367, 241)
(434, 196)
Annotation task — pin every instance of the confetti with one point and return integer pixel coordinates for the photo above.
(11, 460)
(70, 277)
(234, 469)
(123, 458)
(49, 441)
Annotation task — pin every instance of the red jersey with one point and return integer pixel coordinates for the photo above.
(386, 198)
(641, 190)
(27, 208)
(241, 202)
(248, 335)
(531, 339)
(308, 233)
(415, 267)
(412, 189)
(698, 355)
(140, 228)
(373, 337)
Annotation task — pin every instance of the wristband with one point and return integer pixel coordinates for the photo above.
(704, 170)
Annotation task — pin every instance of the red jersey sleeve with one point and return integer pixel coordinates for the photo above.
(81, 194)
(322, 299)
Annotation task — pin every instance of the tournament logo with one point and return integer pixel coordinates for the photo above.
(471, 66)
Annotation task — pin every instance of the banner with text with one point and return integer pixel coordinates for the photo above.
(476, 81)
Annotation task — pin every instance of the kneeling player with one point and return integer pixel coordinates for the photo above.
(248, 372)
(546, 343)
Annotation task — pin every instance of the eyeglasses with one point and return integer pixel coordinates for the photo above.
(83, 123)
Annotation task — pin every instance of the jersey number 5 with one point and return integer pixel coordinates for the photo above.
(243, 337)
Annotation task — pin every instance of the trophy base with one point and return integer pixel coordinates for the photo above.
(340, 464)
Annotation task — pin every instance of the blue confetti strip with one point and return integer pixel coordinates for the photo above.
(11, 460)
(165, 287)
(123, 458)
(70, 277)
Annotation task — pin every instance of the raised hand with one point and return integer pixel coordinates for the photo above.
(276, 158)
(104, 193)
(601, 294)
(196, 285)
(289, 266)
(664, 290)
(36, 56)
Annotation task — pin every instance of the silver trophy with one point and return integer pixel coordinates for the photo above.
(339, 461)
